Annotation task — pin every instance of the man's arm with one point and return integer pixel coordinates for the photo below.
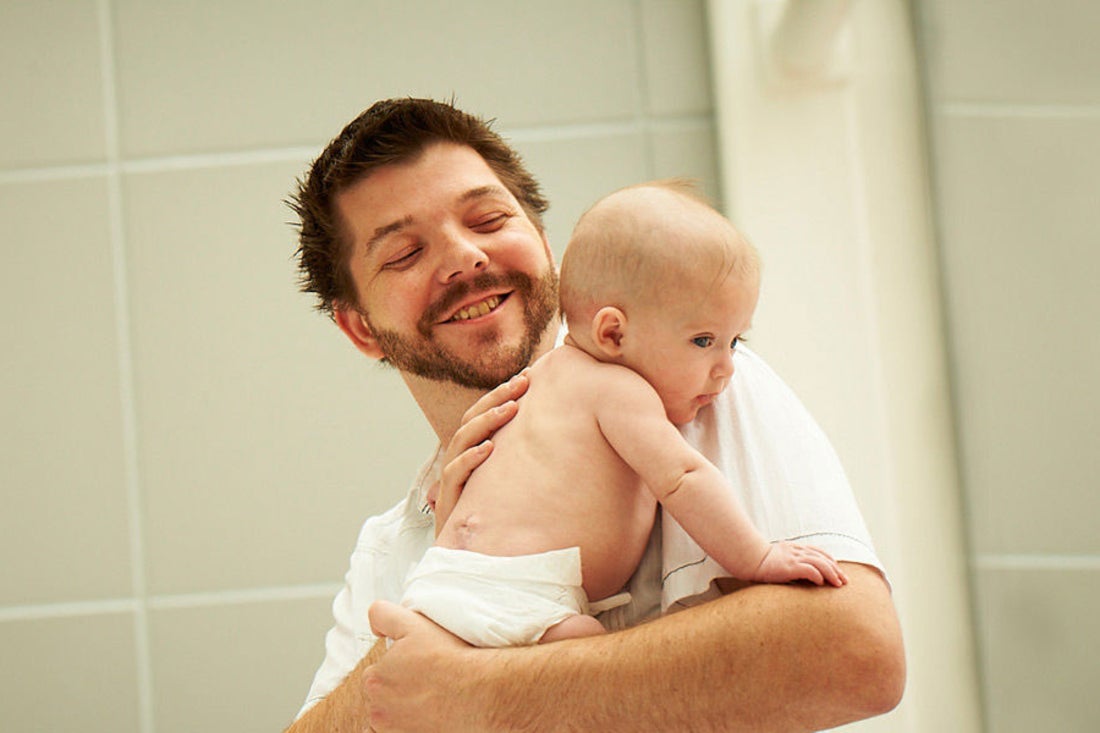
(346, 708)
(766, 658)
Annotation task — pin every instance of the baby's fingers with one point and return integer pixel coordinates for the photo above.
(825, 565)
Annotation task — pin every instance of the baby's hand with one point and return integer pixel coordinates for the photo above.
(787, 561)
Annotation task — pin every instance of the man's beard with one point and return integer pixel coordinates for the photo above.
(419, 354)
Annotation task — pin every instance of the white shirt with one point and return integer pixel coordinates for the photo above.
(779, 462)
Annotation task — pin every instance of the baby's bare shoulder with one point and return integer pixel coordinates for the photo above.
(579, 368)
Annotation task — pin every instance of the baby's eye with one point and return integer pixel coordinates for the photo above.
(736, 340)
(703, 341)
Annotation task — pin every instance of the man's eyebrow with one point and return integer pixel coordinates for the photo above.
(483, 191)
(384, 231)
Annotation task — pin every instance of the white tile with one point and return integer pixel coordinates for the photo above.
(677, 67)
(69, 674)
(575, 171)
(688, 150)
(191, 80)
(1016, 51)
(266, 438)
(63, 531)
(240, 667)
(1019, 218)
(1039, 632)
(50, 81)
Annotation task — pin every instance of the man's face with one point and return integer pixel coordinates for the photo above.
(455, 283)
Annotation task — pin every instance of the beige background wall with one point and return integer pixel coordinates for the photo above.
(1014, 112)
(187, 449)
(824, 167)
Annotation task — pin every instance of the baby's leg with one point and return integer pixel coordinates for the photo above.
(573, 627)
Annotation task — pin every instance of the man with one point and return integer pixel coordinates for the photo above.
(422, 237)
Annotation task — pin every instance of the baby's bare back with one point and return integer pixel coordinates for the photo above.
(553, 481)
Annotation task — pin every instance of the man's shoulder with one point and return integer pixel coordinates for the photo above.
(754, 381)
(758, 402)
(387, 526)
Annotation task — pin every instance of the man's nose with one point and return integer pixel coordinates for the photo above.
(459, 255)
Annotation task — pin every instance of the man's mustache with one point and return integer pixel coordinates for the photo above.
(458, 292)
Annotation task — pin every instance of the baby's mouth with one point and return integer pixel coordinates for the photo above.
(477, 309)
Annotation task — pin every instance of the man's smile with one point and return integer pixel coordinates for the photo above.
(480, 308)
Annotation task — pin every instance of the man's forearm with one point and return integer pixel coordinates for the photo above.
(346, 708)
(767, 658)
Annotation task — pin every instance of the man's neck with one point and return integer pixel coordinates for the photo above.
(444, 403)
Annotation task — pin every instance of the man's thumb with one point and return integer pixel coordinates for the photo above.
(388, 619)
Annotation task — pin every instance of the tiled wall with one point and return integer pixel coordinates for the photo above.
(1014, 106)
(188, 450)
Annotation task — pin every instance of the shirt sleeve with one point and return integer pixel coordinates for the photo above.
(781, 467)
(389, 545)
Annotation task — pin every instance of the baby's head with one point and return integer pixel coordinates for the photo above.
(657, 280)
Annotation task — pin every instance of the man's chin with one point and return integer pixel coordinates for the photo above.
(483, 373)
(467, 358)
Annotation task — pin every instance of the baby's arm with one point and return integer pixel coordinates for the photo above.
(696, 493)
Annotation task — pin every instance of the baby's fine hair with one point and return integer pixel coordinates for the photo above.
(651, 241)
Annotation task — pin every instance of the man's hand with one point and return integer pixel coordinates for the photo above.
(471, 444)
(767, 658)
(412, 686)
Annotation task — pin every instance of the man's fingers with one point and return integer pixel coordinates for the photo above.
(480, 428)
(470, 446)
(500, 394)
(390, 620)
(453, 478)
(454, 474)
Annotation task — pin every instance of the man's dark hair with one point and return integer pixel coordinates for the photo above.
(391, 131)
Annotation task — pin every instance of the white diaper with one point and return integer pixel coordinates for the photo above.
(495, 601)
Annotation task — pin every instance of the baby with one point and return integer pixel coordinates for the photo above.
(656, 289)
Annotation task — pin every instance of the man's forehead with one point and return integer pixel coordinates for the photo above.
(443, 178)
(448, 166)
(442, 174)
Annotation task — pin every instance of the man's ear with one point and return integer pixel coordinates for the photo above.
(608, 327)
(354, 325)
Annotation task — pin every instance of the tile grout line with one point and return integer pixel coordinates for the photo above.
(142, 652)
(641, 99)
(1017, 110)
(53, 173)
(68, 609)
(244, 595)
(208, 599)
(1036, 561)
(198, 161)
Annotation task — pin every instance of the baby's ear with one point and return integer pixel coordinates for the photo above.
(608, 326)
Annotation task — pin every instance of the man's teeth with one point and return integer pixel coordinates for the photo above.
(479, 309)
